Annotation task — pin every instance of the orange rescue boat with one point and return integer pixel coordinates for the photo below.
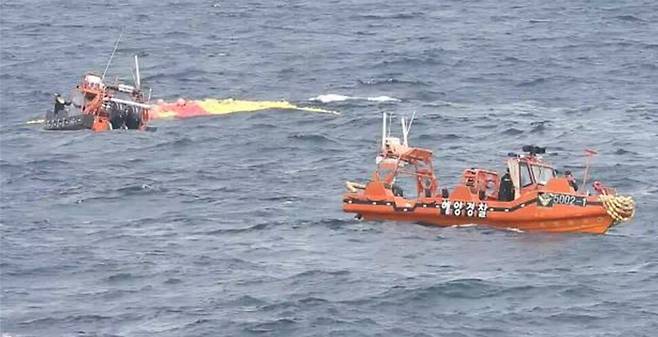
(530, 197)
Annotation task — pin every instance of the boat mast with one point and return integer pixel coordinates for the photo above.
(405, 141)
(589, 153)
(413, 116)
(390, 122)
(406, 128)
(384, 131)
(138, 80)
(116, 45)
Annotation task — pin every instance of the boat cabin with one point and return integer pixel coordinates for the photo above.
(401, 169)
(415, 163)
(88, 95)
(529, 172)
(526, 173)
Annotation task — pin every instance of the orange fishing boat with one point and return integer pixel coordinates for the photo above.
(99, 105)
(529, 197)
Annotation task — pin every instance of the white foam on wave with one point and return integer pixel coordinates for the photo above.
(35, 121)
(468, 225)
(383, 99)
(328, 98)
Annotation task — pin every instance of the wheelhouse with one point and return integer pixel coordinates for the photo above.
(529, 172)
(414, 164)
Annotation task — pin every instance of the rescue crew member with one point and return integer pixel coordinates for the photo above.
(571, 179)
(60, 104)
(397, 190)
(506, 189)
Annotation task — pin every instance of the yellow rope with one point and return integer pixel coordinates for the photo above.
(620, 208)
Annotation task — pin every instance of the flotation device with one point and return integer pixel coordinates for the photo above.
(620, 208)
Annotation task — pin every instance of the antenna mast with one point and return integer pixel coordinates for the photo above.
(413, 116)
(116, 45)
(589, 153)
(405, 131)
(138, 80)
(384, 131)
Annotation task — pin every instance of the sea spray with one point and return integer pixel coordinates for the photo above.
(329, 98)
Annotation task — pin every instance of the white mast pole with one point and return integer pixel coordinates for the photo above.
(404, 131)
(116, 45)
(413, 116)
(138, 80)
(384, 131)
(390, 122)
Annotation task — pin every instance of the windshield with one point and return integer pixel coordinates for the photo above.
(524, 175)
(542, 173)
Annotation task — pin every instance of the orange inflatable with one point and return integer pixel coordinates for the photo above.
(529, 197)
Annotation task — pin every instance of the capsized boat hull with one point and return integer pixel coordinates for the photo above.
(78, 122)
(532, 213)
(100, 106)
(117, 119)
(74, 122)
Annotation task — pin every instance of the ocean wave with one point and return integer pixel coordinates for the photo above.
(333, 223)
(539, 127)
(139, 189)
(313, 138)
(399, 16)
(120, 277)
(540, 21)
(78, 319)
(330, 98)
(279, 325)
(621, 151)
(512, 132)
(391, 81)
(315, 273)
(432, 60)
(631, 18)
(257, 227)
(466, 288)
(533, 82)
(176, 143)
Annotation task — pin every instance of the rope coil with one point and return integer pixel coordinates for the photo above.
(620, 208)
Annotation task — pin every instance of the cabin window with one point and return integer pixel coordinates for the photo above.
(524, 175)
(387, 169)
(386, 173)
(542, 174)
(78, 99)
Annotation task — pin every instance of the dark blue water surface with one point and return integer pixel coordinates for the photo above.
(232, 225)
